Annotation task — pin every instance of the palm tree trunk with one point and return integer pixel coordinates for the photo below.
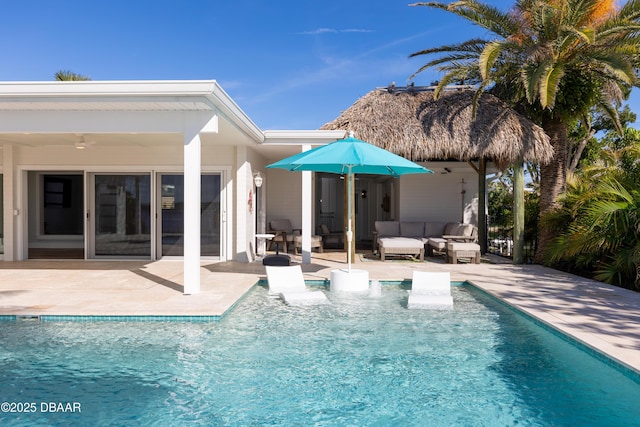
(553, 178)
(518, 212)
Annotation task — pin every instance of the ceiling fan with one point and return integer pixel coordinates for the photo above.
(82, 143)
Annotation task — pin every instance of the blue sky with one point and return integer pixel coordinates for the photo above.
(288, 64)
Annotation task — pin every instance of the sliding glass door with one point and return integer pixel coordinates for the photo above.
(125, 224)
(172, 215)
(122, 223)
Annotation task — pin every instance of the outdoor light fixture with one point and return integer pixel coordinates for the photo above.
(257, 179)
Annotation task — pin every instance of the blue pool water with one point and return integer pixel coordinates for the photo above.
(361, 361)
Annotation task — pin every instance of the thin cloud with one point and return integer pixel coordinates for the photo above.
(320, 31)
(335, 68)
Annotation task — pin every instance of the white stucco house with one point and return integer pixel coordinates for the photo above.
(156, 169)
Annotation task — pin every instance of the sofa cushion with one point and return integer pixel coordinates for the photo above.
(412, 229)
(450, 229)
(401, 243)
(433, 229)
(458, 229)
(458, 246)
(437, 243)
(387, 228)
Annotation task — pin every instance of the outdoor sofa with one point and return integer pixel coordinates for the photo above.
(456, 240)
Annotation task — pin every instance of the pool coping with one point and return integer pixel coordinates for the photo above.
(609, 360)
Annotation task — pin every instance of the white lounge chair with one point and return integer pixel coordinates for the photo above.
(430, 290)
(288, 283)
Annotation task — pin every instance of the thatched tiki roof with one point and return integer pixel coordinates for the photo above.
(410, 123)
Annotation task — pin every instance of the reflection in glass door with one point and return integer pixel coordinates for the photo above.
(172, 213)
(123, 215)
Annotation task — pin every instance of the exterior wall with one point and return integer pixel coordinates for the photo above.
(439, 197)
(284, 196)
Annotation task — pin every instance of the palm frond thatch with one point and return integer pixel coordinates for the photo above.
(412, 124)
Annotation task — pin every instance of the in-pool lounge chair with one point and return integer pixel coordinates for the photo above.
(288, 283)
(430, 290)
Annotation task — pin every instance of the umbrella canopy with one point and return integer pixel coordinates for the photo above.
(350, 156)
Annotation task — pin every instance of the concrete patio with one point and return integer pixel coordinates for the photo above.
(603, 317)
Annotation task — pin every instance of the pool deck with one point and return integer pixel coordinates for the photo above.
(600, 316)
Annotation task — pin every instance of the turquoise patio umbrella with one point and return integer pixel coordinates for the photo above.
(347, 157)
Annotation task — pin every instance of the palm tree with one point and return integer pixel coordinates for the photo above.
(598, 222)
(66, 75)
(553, 60)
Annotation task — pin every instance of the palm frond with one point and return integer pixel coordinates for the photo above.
(574, 36)
(486, 16)
(581, 13)
(532, 76)
(451, 59)
(444, 82)
(488, 58)
(549, 85)
(617, 65)
(614, 188)
(630, 11)
(473, 45)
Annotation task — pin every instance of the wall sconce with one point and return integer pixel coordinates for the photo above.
(257, 179)
(363, 194)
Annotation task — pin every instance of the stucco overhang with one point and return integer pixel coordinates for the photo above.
(145, 113)
(36, 99)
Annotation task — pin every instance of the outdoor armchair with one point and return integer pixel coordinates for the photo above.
(283, 233)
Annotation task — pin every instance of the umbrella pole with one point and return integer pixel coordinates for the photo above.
(349, 219)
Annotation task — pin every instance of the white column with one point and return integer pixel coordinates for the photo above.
(244, 220)
(306, 213)
(195, 124)
(192, 171)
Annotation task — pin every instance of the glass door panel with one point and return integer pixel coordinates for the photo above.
(1, 217)
(123, 215)
(210, 215)
(172, 208)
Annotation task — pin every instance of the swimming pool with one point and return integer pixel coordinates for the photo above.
(359, 361)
